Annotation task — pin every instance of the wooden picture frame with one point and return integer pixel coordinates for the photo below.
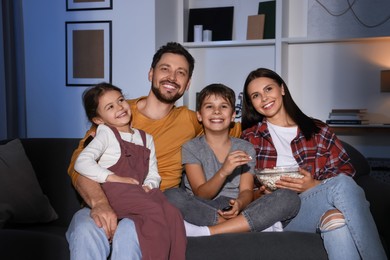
(84, 5)
(88, 52)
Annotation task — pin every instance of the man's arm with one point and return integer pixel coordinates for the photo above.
(92, 193)
(236, 130)
(101, 211)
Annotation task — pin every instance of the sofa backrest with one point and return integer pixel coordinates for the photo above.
(50, 158)
(358, 161)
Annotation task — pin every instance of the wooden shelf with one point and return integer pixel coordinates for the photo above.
(235, 43)
(360, 129)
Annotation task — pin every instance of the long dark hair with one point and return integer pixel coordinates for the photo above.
(91, 98)
(251, 117)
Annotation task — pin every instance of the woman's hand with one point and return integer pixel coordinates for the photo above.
(298, 184)
(232, 161)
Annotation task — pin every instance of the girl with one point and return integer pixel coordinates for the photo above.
(330, 199)
(124, 160)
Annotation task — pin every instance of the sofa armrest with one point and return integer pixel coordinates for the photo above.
(378, 194)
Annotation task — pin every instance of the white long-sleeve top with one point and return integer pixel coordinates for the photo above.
(104, 151)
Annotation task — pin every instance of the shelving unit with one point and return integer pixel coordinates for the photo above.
(250, 54)
(322, 58)
(301, 59)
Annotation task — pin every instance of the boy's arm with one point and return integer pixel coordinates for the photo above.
(246, 190)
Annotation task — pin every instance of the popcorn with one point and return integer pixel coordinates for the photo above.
(269, 176)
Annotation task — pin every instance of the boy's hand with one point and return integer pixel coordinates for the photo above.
(233, 160)
(233, 212)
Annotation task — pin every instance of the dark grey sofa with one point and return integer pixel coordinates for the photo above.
(50, 158)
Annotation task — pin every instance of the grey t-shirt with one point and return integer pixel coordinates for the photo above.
(197, 151)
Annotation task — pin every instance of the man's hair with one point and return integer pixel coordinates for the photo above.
(219, 90)
(175, 48)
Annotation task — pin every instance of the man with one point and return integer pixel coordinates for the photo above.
(94, 227)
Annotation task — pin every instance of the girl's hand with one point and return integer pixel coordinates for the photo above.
(232, 161)
(146, 188)
(233, 212)
(296, 184)
(116, 178)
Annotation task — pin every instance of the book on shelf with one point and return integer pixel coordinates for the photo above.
(268, 8)
(347, 122)
(346, 116)
(349, 110)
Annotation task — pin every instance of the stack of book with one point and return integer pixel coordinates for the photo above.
(347, 117)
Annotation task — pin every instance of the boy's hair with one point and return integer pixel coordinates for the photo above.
(91, 98)
(175, 48)
(219, 90)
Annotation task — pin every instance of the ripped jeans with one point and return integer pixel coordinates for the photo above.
(358, 237)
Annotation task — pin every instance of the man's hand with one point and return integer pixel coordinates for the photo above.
(105, 218)
(101, 211)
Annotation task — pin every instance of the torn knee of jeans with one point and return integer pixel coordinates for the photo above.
(332, 219)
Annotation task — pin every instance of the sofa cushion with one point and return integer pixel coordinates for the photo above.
(257, 245)
(21, 198)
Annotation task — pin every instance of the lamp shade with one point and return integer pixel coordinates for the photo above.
(385, 81)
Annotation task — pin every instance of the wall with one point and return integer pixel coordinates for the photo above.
(320, 75)
(224, 65)
(344, 73)
(55, 110)
(343, 19)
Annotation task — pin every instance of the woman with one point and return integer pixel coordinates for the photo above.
(330, 199)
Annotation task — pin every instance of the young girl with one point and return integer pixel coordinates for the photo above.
(330, 199)
(219, 175)
(123, 159)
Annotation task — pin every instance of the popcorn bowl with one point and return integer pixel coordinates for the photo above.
(268, 176)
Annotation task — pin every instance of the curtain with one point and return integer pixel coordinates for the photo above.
(14, 76)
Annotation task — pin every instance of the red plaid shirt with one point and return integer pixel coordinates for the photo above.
(323, 153)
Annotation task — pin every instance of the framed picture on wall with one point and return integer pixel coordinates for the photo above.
(78, 5)
(88, 52)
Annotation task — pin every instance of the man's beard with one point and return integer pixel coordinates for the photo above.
(165, 98)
